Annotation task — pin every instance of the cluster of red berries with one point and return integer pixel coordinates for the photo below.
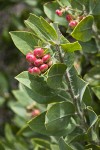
(72, 22)
(39, 61)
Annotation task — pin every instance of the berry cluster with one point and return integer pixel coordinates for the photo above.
(73, 21)
(39, 61)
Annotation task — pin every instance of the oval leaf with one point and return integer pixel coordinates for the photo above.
(55, 75)
(83, 31)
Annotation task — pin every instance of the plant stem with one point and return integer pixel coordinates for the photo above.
(75, 99)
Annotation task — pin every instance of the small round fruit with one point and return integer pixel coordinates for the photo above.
(30, 58)
(43, 67)
(69, 17)
(50, 63)
(59, 12)
(35, 112)
(73, 23)
(46, 58)
(35, 71)
(38, 52)
(38, 62)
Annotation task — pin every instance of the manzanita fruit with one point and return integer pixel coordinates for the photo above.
(35, 71)
(35, 112)
(46, 58)
(59, 12)
(73, 23)
(30, 58)
(38, 62)
(69, 17)
(38, 52)
(43, 67)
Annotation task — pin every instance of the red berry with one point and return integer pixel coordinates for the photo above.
(50, 63)
(38, 62)
(46, 58)
(59, 12)
(43, 67)
(35, 71)
(30, 58)
(69, 18)
(38, 52)
(73, 23)
(35, 112)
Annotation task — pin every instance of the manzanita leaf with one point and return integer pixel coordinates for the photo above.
(50, 8)
(89, 47)
(24, 41)
(83, 31)
(92, 117)
(1, 146)
(58, 116)
(49, 29)
(63, 145)
(38, 90)
(77, 4)
(94, 7)
(71, 47)
(93, 76)
(78, 85)
(55, 75)
(96, 90)
(37, 124)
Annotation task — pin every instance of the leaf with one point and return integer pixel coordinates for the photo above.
(92, 117)
(96, 90)
(50, 8)
(89, 47)
(39, 90)
(24, 41)
(77, 4)
(55, 75)
(58, 116)
(42, 143)
(94, 7)
(8, 133)
(78, 85)
(71, 47)
(87, 97)
(49, 29)
(22, 97)
(63, 145)
(93, 76)
(83, 31)
(1, 146)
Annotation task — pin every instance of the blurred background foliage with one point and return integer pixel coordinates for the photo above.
(15, 106)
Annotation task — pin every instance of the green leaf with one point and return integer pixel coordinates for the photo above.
(55, 75)
(89, 47)
(50, 8)
(46, 99)
(1, 146)
(71, 47)
(78, 85)
(49, 29)
(38, 90)
(77, 4)
(83, 31)
(58, 116)
(18, 109)
(65, 3)
(87, 97)
(94, 7)
(96, 90)
(37, 124)
(93, 76)
(8, 133)
(92, 117)
(63, 145)
(42, 143)
(22, 97)
(24, 41)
